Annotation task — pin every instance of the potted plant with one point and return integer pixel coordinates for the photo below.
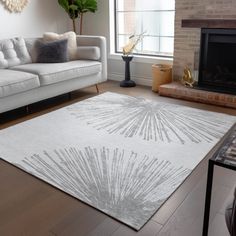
(76, 8)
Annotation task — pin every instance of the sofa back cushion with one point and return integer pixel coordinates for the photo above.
(30, 45)
(13, 52)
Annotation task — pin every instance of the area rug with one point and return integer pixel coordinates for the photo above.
(122, 155)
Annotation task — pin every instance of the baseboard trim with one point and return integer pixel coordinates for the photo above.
(139, 80)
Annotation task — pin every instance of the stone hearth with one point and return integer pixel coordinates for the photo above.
(177, 90)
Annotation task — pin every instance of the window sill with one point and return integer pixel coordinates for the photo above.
(144, 59)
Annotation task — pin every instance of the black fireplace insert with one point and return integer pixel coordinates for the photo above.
(217, 65)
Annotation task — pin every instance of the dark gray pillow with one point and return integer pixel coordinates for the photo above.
(52, 52)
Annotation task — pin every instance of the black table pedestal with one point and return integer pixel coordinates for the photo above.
(127, 82)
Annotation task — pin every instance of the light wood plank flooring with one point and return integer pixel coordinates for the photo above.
(29, 206)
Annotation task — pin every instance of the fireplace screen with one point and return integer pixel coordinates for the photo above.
(217, 67)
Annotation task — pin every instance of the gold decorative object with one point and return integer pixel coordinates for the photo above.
(133, 41)
(187, 78)
(15, 5)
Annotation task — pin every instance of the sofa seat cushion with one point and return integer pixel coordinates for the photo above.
(13, 82)
(51, 73)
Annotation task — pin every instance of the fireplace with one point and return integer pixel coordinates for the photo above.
(217, 65)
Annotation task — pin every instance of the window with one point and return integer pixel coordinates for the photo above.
(154, 17)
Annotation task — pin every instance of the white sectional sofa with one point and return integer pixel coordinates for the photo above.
(23, 82)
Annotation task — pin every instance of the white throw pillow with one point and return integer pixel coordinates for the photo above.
(88, 53)
(71, 36)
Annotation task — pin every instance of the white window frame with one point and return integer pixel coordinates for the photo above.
(115, 54)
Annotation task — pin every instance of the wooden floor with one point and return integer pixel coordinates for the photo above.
(29, 206)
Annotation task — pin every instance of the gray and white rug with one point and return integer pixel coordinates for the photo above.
(122, 155)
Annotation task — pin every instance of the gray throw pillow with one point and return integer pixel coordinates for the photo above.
(52, 52)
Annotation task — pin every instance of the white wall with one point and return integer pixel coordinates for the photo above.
(98, 24)
(36, 18)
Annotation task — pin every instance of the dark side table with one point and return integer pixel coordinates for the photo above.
(225, 157)
(127, 82)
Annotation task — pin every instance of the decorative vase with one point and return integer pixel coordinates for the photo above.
(127, 82)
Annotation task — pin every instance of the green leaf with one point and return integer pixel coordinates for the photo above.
(73, 7)
(70, 8)
(64, 4)
(86, 5)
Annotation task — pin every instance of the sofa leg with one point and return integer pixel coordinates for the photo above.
(27, 109)
(97, 88)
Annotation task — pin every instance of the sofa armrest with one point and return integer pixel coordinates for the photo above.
(97, 41)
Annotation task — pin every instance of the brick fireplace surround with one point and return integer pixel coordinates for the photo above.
(177, 90)
(191, 16)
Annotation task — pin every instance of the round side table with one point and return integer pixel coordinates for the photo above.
(127, 82)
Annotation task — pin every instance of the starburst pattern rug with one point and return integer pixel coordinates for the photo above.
(122, 155)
